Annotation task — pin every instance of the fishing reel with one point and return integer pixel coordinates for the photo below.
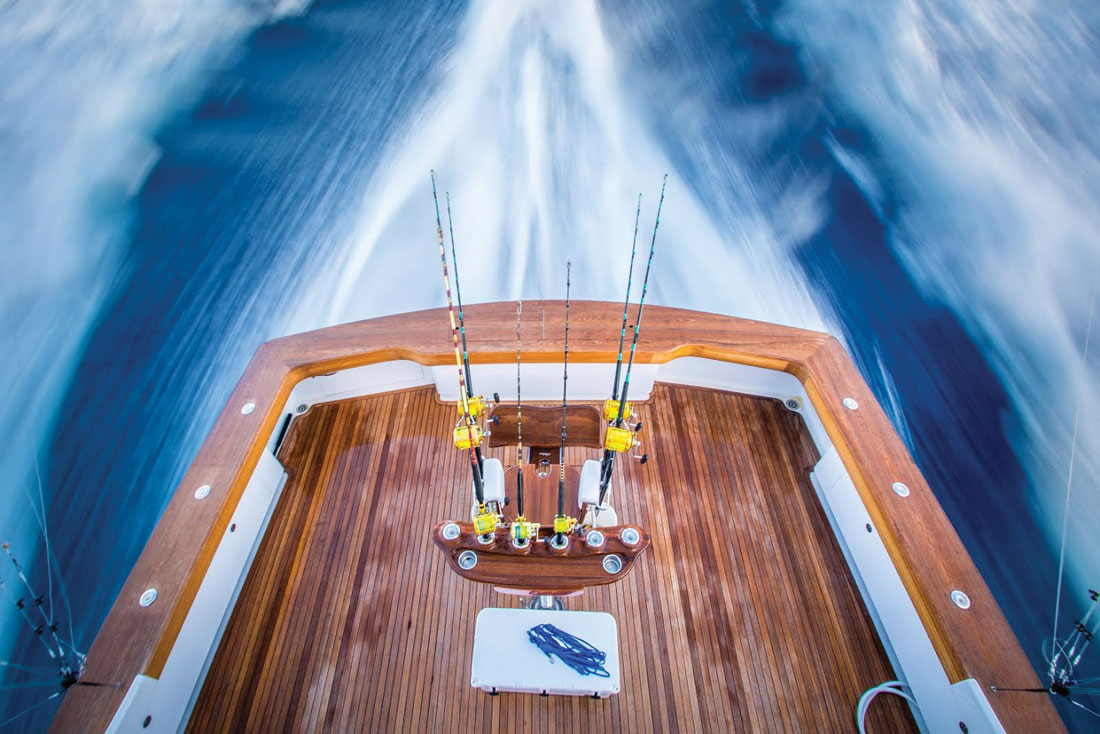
(467, 437)
(485, 521)
(477, 405)
(622, 438)
(522, 531)
(611, 410)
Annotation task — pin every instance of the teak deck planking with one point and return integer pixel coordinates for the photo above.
(924, 547)
(741, 616)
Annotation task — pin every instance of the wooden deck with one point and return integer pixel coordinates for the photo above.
(742, 616)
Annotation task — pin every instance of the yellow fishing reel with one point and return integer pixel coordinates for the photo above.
(563, 524)
(467, 437)
(611, 410)
(523, 531)
(619, 439)
(477, 405)
(485, 522)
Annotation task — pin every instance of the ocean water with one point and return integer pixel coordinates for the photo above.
(182, 181)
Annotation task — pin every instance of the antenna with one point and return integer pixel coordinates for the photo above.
(618, 438)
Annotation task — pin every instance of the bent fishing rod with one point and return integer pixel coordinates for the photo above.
(468, 435)
(618, 438)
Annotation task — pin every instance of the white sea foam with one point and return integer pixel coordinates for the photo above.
(544, 154)
(985, 114)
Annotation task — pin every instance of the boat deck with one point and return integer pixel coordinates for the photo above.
(741, 616)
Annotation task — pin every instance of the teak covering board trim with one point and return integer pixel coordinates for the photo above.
(927, 552)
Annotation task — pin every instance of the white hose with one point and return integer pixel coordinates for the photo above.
(870, 693)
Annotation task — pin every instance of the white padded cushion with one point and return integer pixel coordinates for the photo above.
(588, 493)
(493, 481)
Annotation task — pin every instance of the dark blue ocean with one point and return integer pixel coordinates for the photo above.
(182, 181)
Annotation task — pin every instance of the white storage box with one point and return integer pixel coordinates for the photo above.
(506, 660)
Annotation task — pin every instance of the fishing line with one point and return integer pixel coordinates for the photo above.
(27, 710)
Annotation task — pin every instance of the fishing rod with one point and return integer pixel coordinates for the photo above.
(519, 418)
(467, 435)
(458, 296)
(563, 523)
(522, 530)
(611, 407)
(617, 437)
(476, 403)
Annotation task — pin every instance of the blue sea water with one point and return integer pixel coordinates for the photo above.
(184, 181)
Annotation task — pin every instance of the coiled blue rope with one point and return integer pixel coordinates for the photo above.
(573, 651)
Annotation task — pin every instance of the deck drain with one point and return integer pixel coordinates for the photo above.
(612, 564)
(630, 536)
(451, 531)
(594, 539)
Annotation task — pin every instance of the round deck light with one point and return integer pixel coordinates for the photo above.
(451, 531)
(612, 564)
(202, 492)
(850, 403)
(594, 539)
(630, 536)
(148, 597)
(901, 490)
(247, 408)
(962, 601)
